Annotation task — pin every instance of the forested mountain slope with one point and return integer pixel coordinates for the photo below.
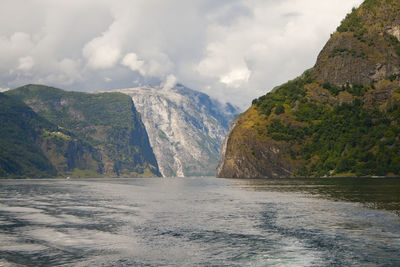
(341, 118)
(97, 135)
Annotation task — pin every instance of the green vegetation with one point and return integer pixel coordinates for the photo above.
(92, 134)
(78, 111)
(333, 89)
(371, 5)
(344, 51)
(360, 21)
(354, 89)
(345, 139)
(20, 155)
(309, 111)
(352, 139)
(287, 94)
(363, 48)
(279, 109)
(352, 22)
(278, 131)
(394, 42)
(355, 21)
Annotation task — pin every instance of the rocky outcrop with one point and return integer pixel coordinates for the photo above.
(68, 154)
(341, 118)
(347, 60)
(246, 155)
(365, 48)
(185, 127)
(221, 164)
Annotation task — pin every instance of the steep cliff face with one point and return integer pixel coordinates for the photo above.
(185, 127)
(365, 49)
(97, 134)
(341, 118)
(249, 152)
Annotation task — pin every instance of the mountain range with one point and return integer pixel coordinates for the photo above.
(139, 132)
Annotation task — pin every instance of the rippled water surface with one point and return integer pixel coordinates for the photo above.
(200, 222)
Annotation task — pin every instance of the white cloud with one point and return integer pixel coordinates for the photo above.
(169, 82)
(277, 42)
(132, 61)
(13, 49)
(236, 77)
(234, 50)
(157, 64)
(69, 67)
(101, 55)
(25, 63)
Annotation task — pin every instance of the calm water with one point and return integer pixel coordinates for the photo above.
(200, 222)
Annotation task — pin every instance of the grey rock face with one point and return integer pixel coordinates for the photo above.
(186, 128)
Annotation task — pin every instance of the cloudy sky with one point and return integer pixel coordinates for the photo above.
(234, 50)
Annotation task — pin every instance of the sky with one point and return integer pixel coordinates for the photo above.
(233, 50)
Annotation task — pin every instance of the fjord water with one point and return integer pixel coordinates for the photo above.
(200, 222)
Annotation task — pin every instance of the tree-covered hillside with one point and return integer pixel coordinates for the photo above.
(340, 118)
(105, 135)
(21, 128)
(333, 135)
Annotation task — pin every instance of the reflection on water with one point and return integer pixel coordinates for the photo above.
(377, 193)
(200, 222)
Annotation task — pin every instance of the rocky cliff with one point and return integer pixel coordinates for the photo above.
(90, 135)
(341, 118)
(185, 127)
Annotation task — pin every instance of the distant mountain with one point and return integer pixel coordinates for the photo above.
(341, 118)
(185, 127)
(80, 134)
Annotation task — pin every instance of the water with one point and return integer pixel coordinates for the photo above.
(200, 222)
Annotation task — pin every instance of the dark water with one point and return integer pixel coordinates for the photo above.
(200, 222)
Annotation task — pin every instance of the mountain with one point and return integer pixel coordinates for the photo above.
(341, 118)
(87, 135)
(20, 137)
(31, 146)
(185, 127)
